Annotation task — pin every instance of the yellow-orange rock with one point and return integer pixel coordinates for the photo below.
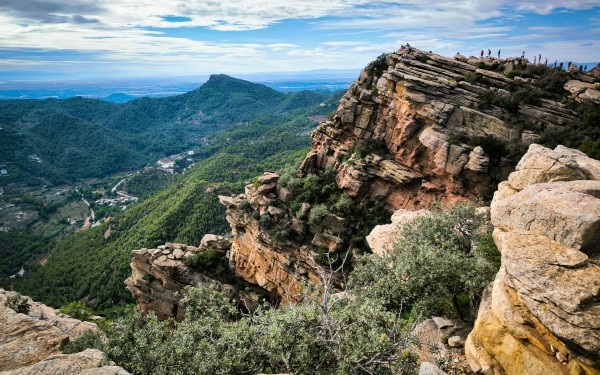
(542, 313)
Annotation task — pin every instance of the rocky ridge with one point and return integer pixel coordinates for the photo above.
(541, 315)
(420, 113)
(277, 266)
(31, 343)
(159, 277)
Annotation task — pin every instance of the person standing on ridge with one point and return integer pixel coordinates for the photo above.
(523, 55)
(482, 54)
(534, 57)
(540, 57)
(546, 62)
(489, 52)
(498, 54)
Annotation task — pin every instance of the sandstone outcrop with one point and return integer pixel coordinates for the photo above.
(159, 277)
(541, 315)
(382, 237)
(87, 362)
(277, 266)
(30, 343)
(416, 116)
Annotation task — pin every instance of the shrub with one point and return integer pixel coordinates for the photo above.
(365, 146)
(472, 77)
(320, 335)
(89, 340)
(205, 261)
(18, 303)
(436, 268)
(316, 216)
(77, 310)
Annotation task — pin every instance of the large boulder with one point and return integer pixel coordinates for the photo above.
(542, 313)
(382, 237)
(30, 343)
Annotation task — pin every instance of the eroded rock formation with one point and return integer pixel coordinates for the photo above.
(420, 112)
(542, 313)
(31, 343)
(159, 277)
(278, 266)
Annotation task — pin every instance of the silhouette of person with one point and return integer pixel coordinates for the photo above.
(489, 52)
(498, 53)
(534, 59)
(546, 62)
(540, 57)
(561, 65)
(523, 54)
(482, 54)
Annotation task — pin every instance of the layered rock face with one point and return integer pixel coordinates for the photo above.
(278, 267)
(417, 114)
(541, 315)
(159, 277)
(30, 343)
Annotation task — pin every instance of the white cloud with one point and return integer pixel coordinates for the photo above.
(118, 30)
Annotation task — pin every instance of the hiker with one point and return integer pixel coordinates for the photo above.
(523, 55)
(540, 57)
(482, 54)
(498, 54)
(546, 62)
(534, 59)
(409, 47)
(561, 65)
(489, 52)
(585, 69)
(580, 68)
(569, 66)
(555, 61)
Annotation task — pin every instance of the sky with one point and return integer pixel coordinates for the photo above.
(76, 39)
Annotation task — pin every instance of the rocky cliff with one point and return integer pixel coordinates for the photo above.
(433, 128)
(30, 343)
(159, 276)
(415, 128)
(542, 313)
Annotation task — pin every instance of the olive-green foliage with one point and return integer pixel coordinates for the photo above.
(317, 336)
(211, 263)
(77, 310)
(324, 196)
(489, 98)
(18, 303)
(591, 148)
(145, 183)
(87, 264)
(583, 133)
(89, 340)
(79, 137)
(436, 266)
(365, 146)
(17, 249)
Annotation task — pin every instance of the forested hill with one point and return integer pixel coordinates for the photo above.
(59, 141)
(92, 264)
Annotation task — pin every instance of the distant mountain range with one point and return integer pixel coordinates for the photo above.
(61, 140)
(123, 90)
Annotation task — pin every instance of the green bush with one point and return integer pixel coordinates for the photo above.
(77, 310)
(435, 268)
(366, 146)
(320, 335)
(205, 261)
(89, 340)
(18, 303)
